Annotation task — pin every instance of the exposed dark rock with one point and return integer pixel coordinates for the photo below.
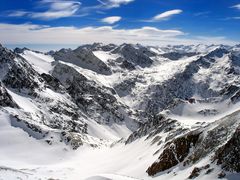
(236, 97)
(152, 127)
(83, 57)
(218, 52)
(6, 99)
(228, 156)
(156, 139)
(125, 87)
(52, 82)
(208, 112)
(20, 50)
(127, 65)
(221, 175)
(73, 139)
(177, 55)
(209, 171)
(213, 138)
(17, 73)
(174, 153)
(136, 55)
(196, 171)
(19, 78)
(230, 90)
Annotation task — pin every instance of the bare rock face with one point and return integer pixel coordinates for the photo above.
(83, 57)
(96, 101)
(5, 98)
(228, 155)
(175, 152)
(52, 82)
(197, 170)
(236, 97)
(73, 139)
(16, 72)
(135, 55)
(230, 90)
(152, 127)
(127, 65)
(218, 52)
(211, 139)
(178, 55)
(125, 87)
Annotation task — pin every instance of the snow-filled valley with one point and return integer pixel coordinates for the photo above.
(120, 112)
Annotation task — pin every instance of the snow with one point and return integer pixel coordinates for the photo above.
(112, 133)
(24, 102)
(105, 56)
(15, 147)
(41, 63)
(188, 113)
(216, 75)
(44, 161)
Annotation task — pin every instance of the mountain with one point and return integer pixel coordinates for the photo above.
(120, 112)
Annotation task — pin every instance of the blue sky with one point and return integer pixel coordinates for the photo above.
(153, 22)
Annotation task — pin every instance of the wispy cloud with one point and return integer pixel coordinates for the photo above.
(203, 13)
(38, 34)
(105, 5)
(231, 18)
(164, 16)
(114, 3)
(111, 19)
(17, 13)
(237, 6)
(55, 9)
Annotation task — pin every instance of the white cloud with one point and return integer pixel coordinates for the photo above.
(237, 6)
(166, 15)
(114, 3)
(56, 9)
(111, 20)
(117, 3)
(17, 13)
(35, 34)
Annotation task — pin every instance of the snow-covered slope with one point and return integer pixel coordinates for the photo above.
(120, 112)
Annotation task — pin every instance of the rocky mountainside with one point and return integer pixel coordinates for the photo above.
(120, 112)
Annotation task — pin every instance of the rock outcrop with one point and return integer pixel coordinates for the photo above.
(174, 153)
